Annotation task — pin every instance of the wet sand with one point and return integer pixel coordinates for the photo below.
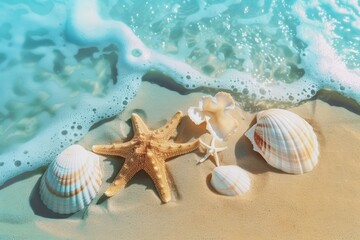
(322, 204)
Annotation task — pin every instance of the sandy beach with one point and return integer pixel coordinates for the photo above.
(322, 204)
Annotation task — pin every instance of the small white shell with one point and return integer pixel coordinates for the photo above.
(285, 140)
(230, 180)
(71, 181)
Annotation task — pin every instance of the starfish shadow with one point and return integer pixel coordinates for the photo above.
(102, 199)
(140, 178)
(173, 186)
(116, 164)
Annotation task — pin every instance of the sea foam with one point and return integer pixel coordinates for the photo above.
(58, 61)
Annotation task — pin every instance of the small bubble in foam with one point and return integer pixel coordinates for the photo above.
(79, 127)
(136, 52)
(1, 164)
(64, 132)
(17, 163)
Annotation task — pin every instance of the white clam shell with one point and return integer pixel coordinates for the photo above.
(285, 140)
(71, 181)
(230, 180)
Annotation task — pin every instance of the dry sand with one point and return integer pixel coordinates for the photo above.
(322, 204)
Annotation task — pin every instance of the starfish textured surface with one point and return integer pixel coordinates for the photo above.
(147, 150)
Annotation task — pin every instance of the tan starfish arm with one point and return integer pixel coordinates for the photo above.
(168, 130)
(127, 171)
(138, 125)
(157, 172)
(169, 150)
(116, 149)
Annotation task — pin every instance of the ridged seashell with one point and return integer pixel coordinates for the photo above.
(230, 180)
(71, 181)
(285, 140)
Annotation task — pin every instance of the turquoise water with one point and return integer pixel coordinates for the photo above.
(64, 65)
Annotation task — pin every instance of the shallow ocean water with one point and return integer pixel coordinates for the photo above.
(65, 65)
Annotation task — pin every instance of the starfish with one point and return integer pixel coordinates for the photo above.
(147, 150)
(212, 150)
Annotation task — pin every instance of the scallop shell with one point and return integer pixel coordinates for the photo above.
(285, 140)
(71, 181)
(230, 180)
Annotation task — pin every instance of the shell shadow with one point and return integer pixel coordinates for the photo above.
(187, 130)
(21, 177)
(208, 184)
(39, 208)
(250, 160)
